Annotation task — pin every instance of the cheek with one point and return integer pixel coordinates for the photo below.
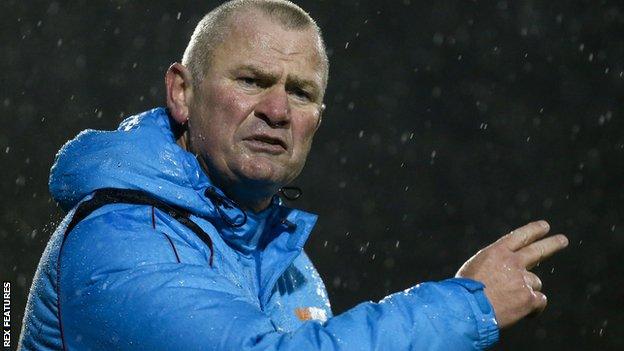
(229, 104)
(303, 132)
(229, 110)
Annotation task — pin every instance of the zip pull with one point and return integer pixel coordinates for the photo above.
(291, 192)
(290, 226)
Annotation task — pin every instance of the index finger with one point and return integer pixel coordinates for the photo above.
(525, 235)
(542, 249)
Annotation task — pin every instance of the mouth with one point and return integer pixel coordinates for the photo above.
(267, 143)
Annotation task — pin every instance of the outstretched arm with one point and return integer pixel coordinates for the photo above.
(125, 297)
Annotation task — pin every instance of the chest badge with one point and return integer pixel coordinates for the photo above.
(311, 313)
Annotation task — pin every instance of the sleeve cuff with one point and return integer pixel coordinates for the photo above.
(487, 327)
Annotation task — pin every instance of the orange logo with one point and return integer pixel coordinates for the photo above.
(311, 313)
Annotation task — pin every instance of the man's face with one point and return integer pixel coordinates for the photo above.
(254, 115)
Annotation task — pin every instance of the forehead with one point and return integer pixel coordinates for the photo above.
(254, 39)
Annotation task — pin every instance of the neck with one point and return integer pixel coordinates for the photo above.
(240, 194)
(253, 197)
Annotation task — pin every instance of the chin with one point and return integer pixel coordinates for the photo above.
(263, 170)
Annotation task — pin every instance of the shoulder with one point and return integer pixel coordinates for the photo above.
(115, 236)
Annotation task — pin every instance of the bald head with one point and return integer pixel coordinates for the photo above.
(213, 29)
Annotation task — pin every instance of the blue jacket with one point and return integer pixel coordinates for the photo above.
(130, 277)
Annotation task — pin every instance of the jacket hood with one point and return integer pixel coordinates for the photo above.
(142, 154)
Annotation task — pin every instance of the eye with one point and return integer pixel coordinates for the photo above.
(248, 82)
(301, 94)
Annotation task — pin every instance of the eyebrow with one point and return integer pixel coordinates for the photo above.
(291, 80)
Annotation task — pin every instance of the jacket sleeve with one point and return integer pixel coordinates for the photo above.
(118, 293)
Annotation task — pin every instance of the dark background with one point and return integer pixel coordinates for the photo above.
(448, 124)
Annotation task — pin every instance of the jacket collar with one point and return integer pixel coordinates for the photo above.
(142, 154)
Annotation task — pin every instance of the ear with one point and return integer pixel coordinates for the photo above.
(320, 117)
(179, 84)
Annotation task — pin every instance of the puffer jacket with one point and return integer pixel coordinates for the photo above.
(186, 269)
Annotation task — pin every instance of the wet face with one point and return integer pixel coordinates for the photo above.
(254, 115)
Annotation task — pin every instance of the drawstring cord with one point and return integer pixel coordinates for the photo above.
(288, 192)
(222, 201)
(291, 192)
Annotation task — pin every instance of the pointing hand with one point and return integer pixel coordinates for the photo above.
(503, 267)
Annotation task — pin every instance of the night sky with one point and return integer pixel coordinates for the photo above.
(448, 124)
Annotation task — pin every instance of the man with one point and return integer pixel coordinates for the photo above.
(176, 238)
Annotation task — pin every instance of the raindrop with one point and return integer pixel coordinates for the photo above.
(20, 181)
(53, 9)
(438, 39)
(436, 92)
(336, 282)
(578, 179)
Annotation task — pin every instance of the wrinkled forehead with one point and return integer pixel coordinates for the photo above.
(251, 35)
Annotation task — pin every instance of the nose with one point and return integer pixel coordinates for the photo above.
(274, 108)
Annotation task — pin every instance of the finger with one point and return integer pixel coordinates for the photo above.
(533, 281)
(542, 249)
(539, 302)
(525, 235)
